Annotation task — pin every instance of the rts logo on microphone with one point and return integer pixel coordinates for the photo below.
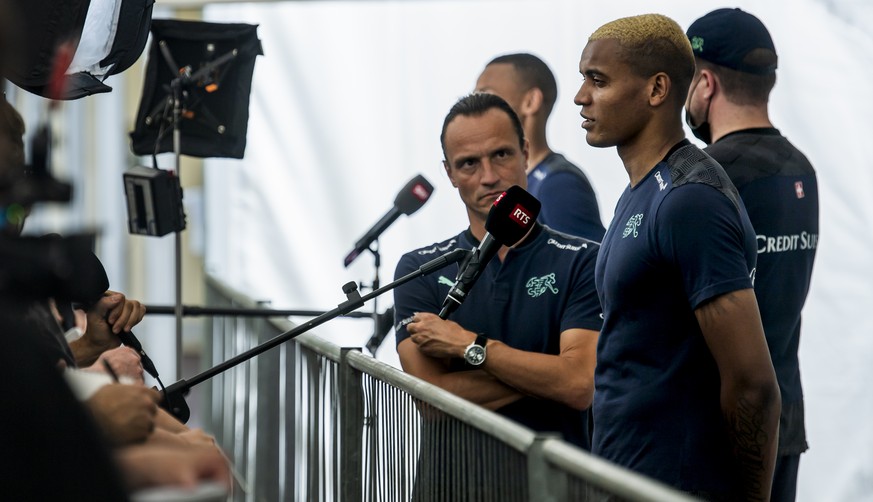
(421, 193)
(520, 215)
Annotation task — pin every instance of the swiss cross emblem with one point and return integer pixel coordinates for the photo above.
(798, 189)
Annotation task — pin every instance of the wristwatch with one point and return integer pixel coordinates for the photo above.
(474, 355)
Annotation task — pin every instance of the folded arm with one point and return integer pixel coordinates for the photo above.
(567, 378)
(474, 385)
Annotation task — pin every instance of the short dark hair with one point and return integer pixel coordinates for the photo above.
(743, 88)
(475, 105)
(534, 72)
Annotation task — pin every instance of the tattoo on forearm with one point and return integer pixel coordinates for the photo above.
(750, 439)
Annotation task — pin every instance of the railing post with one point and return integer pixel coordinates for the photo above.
(264, 450)
(545, 484)
(351, 438)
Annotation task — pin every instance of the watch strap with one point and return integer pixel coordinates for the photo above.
(481, 340)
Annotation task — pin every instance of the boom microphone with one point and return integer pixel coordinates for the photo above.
(511, 217)
(409, 200)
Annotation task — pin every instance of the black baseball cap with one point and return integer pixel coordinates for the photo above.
(726, 36)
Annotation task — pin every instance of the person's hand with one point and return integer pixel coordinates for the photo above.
(197, 437)
(126, 413)
(125, 313)
(439, 338)
(98, 330)
(114, 313)
(125, 362)
(146, 466)
(106, 318)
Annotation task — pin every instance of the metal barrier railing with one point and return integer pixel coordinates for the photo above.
(310, 421)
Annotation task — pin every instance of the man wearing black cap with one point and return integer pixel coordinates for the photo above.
(727, 109)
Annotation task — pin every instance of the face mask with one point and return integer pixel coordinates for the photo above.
(701, 131)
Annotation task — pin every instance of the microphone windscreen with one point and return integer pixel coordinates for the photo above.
(512, 215)
(413, 195)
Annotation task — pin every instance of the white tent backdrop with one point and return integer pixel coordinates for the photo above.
(347, 105)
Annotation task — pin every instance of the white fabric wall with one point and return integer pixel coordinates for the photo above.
(347, 105)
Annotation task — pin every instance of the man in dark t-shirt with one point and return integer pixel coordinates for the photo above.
(727, 109)
(685, 390)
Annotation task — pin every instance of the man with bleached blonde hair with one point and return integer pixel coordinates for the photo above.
(685, 389)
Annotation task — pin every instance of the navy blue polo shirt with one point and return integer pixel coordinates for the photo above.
(543, 287)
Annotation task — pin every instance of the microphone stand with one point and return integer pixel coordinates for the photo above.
(374, 341)
(380, 326)
(174, 395)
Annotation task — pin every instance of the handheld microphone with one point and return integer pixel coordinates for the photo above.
(513, 214)
(129, 340)
(92, 283)
(409, 200)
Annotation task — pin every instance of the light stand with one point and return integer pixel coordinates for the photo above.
(176, 85)
(185, 78)
(208, 106)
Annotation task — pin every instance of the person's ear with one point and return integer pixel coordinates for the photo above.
(659, 88)
(532, 101)
(709, 84)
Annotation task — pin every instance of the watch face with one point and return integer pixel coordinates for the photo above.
(475, 355)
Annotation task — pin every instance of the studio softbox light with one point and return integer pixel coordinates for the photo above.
(105, 37)
(209, 66)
